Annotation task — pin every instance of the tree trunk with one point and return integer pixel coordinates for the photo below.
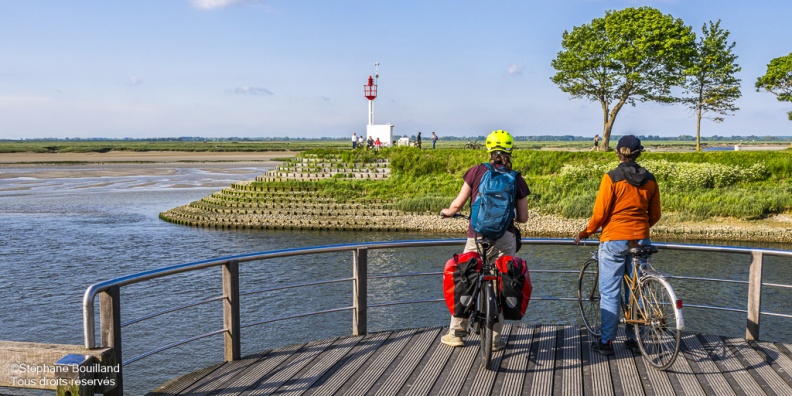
(609, 117)
(698, 129)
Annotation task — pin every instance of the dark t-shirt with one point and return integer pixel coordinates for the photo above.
(473, 177)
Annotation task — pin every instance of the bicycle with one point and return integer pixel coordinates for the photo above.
(472, 145)
(486, 310)
(653, 308)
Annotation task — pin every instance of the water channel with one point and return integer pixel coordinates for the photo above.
(62, 233)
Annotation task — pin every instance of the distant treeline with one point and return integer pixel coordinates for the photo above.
(535, 138)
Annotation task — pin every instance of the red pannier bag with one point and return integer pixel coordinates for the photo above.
(515, 286)
(459, 281)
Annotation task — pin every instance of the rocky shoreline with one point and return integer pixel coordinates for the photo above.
(538, 225)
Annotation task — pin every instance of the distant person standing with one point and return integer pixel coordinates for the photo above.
(377, 144)
(434, 140)
(354, 141)
(418, 141)
(596, 143)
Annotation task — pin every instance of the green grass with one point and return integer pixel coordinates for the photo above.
(694, 186)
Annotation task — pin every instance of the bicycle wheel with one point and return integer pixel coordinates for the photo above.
(589, 297)
(658, 337)
(490, 314)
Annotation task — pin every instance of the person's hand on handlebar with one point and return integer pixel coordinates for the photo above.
(580, 236)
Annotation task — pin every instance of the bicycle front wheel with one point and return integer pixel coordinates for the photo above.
(658, 334)
(490, 316)
(589, 297)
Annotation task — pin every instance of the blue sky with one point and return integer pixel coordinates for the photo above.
(271, 68)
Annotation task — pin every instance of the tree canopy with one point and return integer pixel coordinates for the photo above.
(628, 56)
(711, 85)
(778, 79)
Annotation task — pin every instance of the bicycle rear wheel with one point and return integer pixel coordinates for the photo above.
(490, 315)
(658, 337)
(589, 297)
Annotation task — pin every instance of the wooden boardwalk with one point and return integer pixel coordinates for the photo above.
(538, 360)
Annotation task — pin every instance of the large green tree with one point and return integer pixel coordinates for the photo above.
(711, 86)
(628, 56)
(778, 79)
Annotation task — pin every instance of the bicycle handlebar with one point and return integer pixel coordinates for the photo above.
(455, 216)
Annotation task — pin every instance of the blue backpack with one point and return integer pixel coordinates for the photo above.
(493, 209)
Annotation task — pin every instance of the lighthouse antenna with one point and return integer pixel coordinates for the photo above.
(376, 71)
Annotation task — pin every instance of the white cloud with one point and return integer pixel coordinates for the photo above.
(214, 4)
(134, 80)
(515, 70)
(250, 91)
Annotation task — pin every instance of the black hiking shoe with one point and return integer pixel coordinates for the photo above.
(632, 345)
(603, 349)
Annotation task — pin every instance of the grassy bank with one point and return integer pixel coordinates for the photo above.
(694, 186)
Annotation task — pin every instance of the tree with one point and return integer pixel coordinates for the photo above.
(629, 56)
(778, 79)
(711, 85)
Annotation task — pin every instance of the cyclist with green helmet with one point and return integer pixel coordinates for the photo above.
(499, 146)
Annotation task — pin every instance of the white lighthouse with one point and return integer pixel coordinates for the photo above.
(384, 131)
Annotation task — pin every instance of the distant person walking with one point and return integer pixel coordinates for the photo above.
(596, 143)
(354, 141)
(434, 140)
(418, 141)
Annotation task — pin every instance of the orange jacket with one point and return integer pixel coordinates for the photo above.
(624, 210)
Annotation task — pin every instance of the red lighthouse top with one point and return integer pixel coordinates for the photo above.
(370, 89)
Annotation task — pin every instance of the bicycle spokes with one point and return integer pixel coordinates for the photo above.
(658, 336)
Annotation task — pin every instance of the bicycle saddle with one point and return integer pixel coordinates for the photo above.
(643, 250)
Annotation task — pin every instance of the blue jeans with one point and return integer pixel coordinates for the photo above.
(614, 263)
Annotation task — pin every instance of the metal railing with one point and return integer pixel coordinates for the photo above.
(110, 304)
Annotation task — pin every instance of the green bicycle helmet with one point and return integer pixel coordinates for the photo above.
(500, 140)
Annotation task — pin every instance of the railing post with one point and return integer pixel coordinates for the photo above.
(231, 310)
(110, 329)
(754, 297)
(360, 291)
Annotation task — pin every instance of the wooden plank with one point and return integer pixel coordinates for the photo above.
(217, 378)
(304, 380)
(515, 361)
(252, 374)
(683, 378)
(461, 366)
(485, 379)
(179, 384)
(431, 370)
(347, 366)
(773, 355)
(398, 377)
(629, 377)
(542, 381)
(730, 366)
(707, 372)
(288, 369)
(392, 346)
(596, 370)
(770, 381)
(569, 372)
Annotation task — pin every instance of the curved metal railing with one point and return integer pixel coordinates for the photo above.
(108, 291)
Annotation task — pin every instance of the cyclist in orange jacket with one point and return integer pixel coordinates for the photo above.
(627, 205)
